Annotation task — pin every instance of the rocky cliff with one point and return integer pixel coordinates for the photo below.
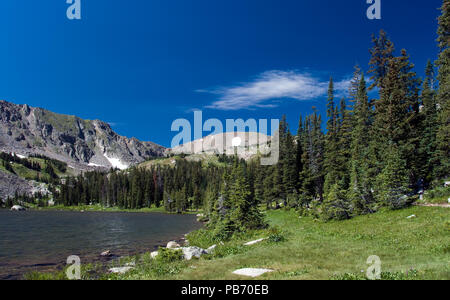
(83, 144)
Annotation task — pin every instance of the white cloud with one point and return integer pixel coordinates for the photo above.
(273, 85)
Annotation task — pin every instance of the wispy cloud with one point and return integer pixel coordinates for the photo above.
(270, 86)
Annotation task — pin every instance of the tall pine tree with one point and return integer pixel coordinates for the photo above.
(443, 95)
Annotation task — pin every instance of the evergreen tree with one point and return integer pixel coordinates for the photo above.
(336, 205)
(344, 139)
(280, 177)
(427, 152)
(306, 181)
(410, 146)
(443, 96)
(317, 156)
(244, 213)
(381, 54)
(331, 161)
(269, 193)
(392, 183)
(299, 153)
(397, 115)
(259, 182)
(354, 84)
(360, 189)
(290, 171)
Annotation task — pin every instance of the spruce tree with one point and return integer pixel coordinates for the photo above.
(427, 153)
(354, 84)
(443, 96)
(331, 142)
(268, 183)
(259, 182)
(299, 153)
(290, 171)
(306, 180)
(381, 55)
(360, 189)
(317, 156)
(410, 146)
(392, 183)
(242, 211)
(336, 205)
(344, 139)
(397, 116)
(280, 184)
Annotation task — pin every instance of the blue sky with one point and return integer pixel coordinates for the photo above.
(142, 64)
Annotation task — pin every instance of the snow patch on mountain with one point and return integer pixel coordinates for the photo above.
(19, 155)
(116, 163)
(95, 165)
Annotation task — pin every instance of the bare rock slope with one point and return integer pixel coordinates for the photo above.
(83, 144)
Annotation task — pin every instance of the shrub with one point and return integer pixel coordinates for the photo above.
(202, 238)
(276, 235)
(438, 192)
(168, 255)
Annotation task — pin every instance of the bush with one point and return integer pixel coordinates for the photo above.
(438, 192)
(202, 238)
(223, 231)
(276, 235)
(168, 255)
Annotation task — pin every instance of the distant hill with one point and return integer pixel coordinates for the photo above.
(246, 144)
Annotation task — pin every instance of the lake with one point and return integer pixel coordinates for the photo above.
(42, 240)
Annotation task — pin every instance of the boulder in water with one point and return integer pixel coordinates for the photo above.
(173, 245)
(105, 253)
(18, 208)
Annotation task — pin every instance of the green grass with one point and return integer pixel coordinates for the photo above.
(29, 174)
(303, 248)
(317, 250)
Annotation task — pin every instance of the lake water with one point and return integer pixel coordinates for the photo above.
(42, 240)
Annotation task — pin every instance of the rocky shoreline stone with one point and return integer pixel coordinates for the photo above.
(18, 208)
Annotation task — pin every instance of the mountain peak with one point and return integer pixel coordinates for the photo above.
(83, 144)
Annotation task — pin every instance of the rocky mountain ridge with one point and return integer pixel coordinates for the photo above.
(82, 144)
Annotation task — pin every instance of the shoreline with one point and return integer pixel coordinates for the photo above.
(92, 258)
(98, 208)
(102, 263)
